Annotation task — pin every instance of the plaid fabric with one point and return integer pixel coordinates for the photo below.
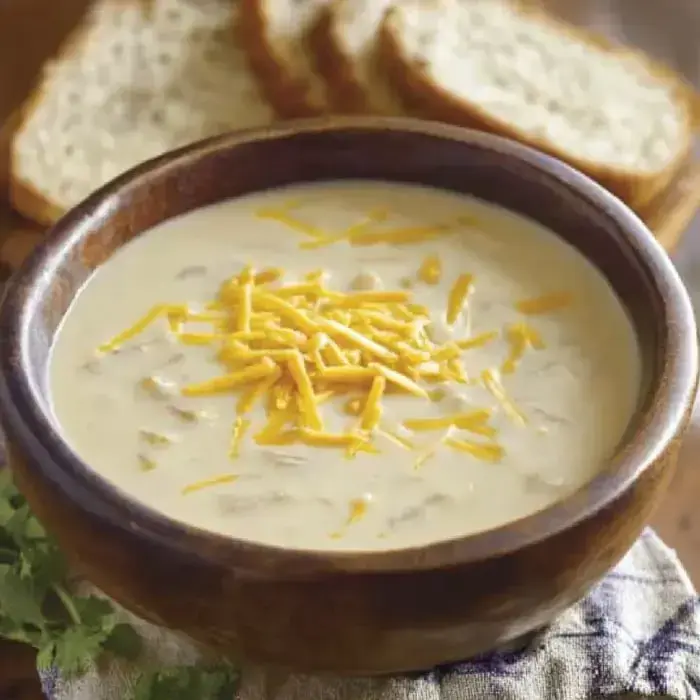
(636, 635)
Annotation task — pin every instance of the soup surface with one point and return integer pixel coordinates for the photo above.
(346, 366)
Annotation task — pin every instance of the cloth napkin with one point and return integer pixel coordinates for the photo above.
(636, 635)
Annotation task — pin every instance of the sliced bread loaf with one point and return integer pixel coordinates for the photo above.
(344, 41)
(136, 79)
(274, 34)
(495, 65)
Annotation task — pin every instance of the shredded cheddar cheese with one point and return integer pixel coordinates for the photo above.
(488, 452)
(397, 439)
(357, 509)
(474, 421)
(115, 343)
(355, 299)
(240, 425)
(291, 347)
(374, 217)
(219, 385)
(316, 438)
(372, 411)
(206, 483)
(200, 338)
(458, 295)
(423, 458)
(398, 236)
(493, 383)
(477, 341)
(248, 398)
(278, 418)
(267, 276)
(520, 337)
(363, 233)
(430, 270)
(545, 304)
(307, 399)
(282, 216)
(401, 380)
(244, 307)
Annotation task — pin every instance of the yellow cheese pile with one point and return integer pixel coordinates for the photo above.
(293, 346)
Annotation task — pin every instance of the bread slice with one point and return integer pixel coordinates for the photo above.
(344, 42)
(498, 66)
(274, 34)
(670, 213)
(135, 80)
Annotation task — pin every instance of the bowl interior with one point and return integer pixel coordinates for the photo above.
(497, 171)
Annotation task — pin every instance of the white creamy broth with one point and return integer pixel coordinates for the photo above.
(531, 409)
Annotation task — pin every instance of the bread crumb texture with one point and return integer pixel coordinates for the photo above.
(545, 80)
(139, 79)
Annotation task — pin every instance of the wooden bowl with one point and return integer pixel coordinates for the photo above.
(348, 612)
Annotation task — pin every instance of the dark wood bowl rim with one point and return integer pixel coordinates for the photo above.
(32, 428)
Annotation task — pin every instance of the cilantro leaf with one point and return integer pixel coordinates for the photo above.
(124, 642)
(44, 563)
(7, 555)
(24, 528)
(36, 606)
(188, 683)
(72, 633)
(77, 649)
(6, 512)
(94, 612)
(18, 599)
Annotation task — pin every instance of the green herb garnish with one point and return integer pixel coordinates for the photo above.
(190, 683)
(74, 633)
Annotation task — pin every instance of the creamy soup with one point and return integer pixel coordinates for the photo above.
(346, 366)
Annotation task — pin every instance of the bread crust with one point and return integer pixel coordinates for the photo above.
(346, 90)
(669, 214)
(24, 197)
(290, 94)
(345, 94)
(432, 101)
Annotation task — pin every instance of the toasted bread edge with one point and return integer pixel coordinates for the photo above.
(288, 95)
(432, 101)
(344, 90)
(24, 197)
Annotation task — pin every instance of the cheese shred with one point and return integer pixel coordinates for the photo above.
(458, 295)
(372, 411)
(430, 270)
(220, 385)
(545, 304)
(240, 426)
(207, 483)
(144, 322)
(307, 399)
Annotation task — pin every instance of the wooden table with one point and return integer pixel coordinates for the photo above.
(678, 520)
